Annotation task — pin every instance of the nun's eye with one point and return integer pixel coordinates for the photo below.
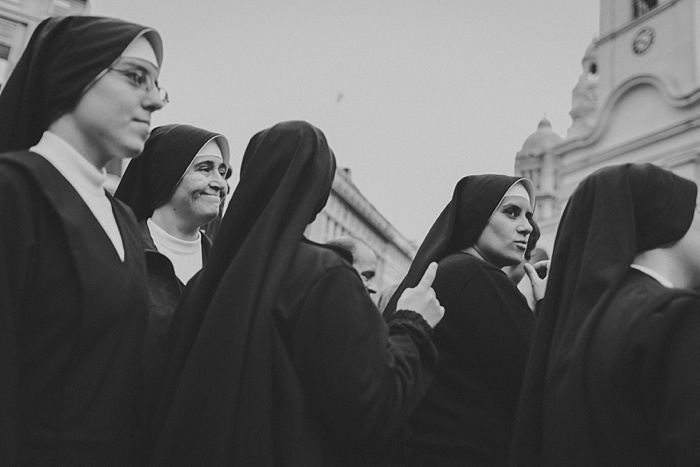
(138, 78)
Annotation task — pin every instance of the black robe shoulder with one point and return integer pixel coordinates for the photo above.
(72, 320)
(467, 416)
(641, 390)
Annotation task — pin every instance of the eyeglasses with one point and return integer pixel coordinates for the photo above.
(143, 80)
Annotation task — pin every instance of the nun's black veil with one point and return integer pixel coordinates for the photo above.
(614, 214)
(229, 372)
(63, 56)
(459, 225)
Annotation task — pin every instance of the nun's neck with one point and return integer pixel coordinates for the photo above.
(174, 225)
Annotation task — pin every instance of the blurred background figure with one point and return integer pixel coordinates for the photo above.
(73, 296)
(362, 258)
(612, 378)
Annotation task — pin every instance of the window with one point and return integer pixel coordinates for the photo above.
(7, 35)
(642, 7)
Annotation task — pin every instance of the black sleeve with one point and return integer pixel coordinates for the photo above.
(16, 239)
(679, 427)
(363, 377)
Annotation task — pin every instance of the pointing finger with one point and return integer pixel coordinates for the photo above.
(429, 276)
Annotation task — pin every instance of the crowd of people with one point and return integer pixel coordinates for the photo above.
(129, 337)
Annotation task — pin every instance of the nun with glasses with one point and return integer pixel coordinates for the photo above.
(613, 378)
(175, 187)
(73, 293)
(467, 415)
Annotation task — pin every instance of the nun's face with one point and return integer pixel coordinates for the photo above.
(504, 239)
(113, 118)
(197, 198)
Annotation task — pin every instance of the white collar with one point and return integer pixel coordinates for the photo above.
(653, 274)
(71, 164)
(176, 245)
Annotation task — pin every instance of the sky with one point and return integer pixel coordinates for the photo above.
(412, 95)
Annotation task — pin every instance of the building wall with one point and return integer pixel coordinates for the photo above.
(348, 212)
(18, 18)
(648, 103)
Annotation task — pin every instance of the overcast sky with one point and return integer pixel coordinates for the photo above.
(411, 94)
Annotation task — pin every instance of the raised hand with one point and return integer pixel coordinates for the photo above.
(422, 299)
(537, 273)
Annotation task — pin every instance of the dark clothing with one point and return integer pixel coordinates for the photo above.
(642, 384)
(72, 322)
(467, 416)
(359, 378)
(164, 291)
(604, 365)
(483, 339)
(279, 355)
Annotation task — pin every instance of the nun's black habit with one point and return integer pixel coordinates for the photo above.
(280, 357)
(467, 415)
(613, 375)
(148, 182)
(72, 314)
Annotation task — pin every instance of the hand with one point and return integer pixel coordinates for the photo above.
(537, 273)
(422, 300)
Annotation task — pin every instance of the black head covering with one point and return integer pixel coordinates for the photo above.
(613, 215)
(460, 224)
(222, 331)
(151, 178)
(63, 57)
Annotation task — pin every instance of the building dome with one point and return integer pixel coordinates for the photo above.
(540, 141)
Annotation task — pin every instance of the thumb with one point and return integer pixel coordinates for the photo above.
(429, 276)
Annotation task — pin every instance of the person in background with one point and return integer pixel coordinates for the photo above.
(279, 355)
(73, 297)
(613, 378)
(467, 415)
(175, 187)
(362, 258)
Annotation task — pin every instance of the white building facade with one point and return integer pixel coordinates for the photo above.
(18, 18)
(637, 100)
(348, 212)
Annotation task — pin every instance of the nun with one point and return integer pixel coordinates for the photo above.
(279, 355)
(613, 378)
(467, 415)
(73, 296)
(175, 187)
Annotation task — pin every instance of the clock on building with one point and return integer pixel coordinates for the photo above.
(643, 40)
